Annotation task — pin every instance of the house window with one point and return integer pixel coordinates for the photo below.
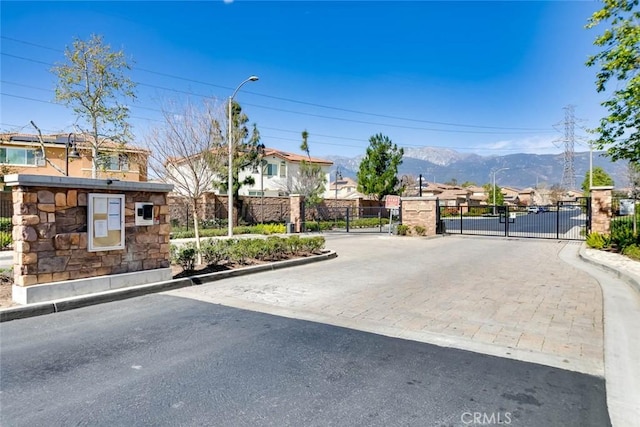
(21, 156)
(271, 169)
(283, 170)
(256, 193)
(113, 161)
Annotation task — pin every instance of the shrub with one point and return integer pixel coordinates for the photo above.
(294, 245)
(632, 251)
(313, 244)
(5, 224)
(214, 251)
(241, 250)
(622, 234)
(596, 240)
(184, 256)
(420, 230)
(5, 240)
(267, 229)
(402, 230)
(276, 247)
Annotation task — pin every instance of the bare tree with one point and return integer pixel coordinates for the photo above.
(188, 152)
(93, 81)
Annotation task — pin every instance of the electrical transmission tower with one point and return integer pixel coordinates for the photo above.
(569, 139)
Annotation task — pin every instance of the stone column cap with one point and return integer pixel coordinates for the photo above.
(84, 183)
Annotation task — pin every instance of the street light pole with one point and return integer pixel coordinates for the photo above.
(494, 187)
(230, 143)
(74, 153)
(591, 166)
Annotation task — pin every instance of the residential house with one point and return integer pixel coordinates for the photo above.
(70, 154)
(510, 196)
(526, 196)
(455, 195)
(344, 188)
(279, 173)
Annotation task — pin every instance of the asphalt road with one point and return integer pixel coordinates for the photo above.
(162, 360)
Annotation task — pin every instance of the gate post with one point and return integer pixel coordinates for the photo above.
(420, 211)
(296, 212)
(601, 212)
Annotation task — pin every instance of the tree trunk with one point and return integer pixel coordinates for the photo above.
(196, 230)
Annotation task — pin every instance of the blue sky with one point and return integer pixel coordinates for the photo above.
(491, 78)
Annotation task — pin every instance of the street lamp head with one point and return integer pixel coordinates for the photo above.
(253, 78)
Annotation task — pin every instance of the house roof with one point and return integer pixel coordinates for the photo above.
(296, 158)
(344, 182)
(291, 157)
(81, 140)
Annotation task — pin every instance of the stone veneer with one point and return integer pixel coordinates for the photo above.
(419, 211)
(601, 212)
(50, 229)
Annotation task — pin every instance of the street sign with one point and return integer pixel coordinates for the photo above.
(391, 202)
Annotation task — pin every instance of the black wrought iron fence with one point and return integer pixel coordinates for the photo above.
(625, 214)
(569, 220)
(6, 212)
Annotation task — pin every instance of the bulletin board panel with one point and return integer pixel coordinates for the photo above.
(106, 222)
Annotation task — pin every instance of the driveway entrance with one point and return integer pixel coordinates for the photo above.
(504, 297)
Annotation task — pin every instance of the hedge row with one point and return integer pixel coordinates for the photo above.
(245, 251)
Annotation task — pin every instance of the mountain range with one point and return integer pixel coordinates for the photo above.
(514, 170)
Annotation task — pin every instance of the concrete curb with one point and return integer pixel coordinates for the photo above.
(630, 279)
(38, 309)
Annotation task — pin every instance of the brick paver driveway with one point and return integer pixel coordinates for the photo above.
(507, 297)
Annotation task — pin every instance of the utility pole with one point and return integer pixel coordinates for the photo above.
(569, 139)
(420, 190)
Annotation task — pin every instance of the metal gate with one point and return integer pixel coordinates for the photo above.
(367, 219)
(564, 220)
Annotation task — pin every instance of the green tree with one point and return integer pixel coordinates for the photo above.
(377, 175)
(491, 190)
(467, 184)
(94, 83)
(600, 177)
(452, 182)
(245, 154)
(619, 60)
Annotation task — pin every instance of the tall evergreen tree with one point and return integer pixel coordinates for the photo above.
(378, 172)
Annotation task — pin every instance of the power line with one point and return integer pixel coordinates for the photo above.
(288, 99)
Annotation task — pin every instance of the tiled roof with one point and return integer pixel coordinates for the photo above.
(80, 139)
(294, 157)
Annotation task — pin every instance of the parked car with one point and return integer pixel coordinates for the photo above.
(537, 209)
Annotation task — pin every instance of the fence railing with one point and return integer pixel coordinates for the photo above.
(6, 212)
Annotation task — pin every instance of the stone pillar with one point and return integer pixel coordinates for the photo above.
(296, 212)
(420, 212)
(601, 212)
(50, 223)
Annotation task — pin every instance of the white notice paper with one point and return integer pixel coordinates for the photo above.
(114, 222)
(100, 228)
(100, 205)
(114, 207)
